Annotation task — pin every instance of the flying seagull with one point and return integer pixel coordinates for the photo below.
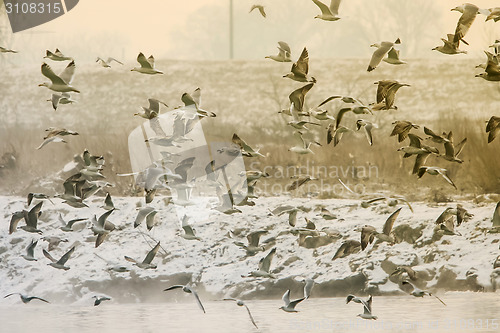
(146, 263)
(61, 82)
(253, 242)
(241, 303)
(367, 307)
(26, 299)
(107, 63)
(264, 266)
(260, 8)
(188, 290)
(56, 56)
(147, 65)
(419, 292)
(328, 13)
(284, 53)
(300, 69)
(382, 49)
(469, 13)
(290, 305)
(6, 50)
(99, 300)
(434, 171)
(493, 128)
(30, 251)
(308, 285)
(59, 264)
(348, 247)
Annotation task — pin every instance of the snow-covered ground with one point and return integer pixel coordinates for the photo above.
(215, 265)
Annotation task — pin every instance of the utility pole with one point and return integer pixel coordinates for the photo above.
(231, 29)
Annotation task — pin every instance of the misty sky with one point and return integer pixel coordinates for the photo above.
(198, 29)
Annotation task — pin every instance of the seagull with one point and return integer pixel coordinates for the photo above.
(188, 230)
(98, 300)
(246, 150)
(493, 14)
(147, 65)
(405, 269)
(39, 196)
(469, 13)
(188, 290)
(308, 285)
(107, 63)
(496, 216)
(151, 113)
(31, 219)
(328, 13)
(56, 56)
(491, 72)
(402, 128)
(435, 137)
(449, 46)
(303, 149)
(367, 306)
(27, 299)
(335, 134)
(53, 241)
(417, 148)
(300, 69)
(368, 126)
(54, 139)
(260, 8)
(353, 298)
(298, 96)
(63, 98)
(284, 53)
(108, 203)
(264, 266)
(146, 263)
(356, 110)
(30, 251)
(299, 182)
(452, 151)
(241, 303)
(382, 49)
(493, 128)
(368, 233)
(101, 227)
(61, 82)
(290, 305)
(348, 247)
(6, 50)
(386, 94)
(301, 124)
(54, 131)
(68, 226)
(59, 264)
(419, 292)
(253, 242)
(434, 171)
(147, 213)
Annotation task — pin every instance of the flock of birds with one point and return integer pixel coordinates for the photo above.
(171, 172)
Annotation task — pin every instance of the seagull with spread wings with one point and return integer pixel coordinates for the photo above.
(61, 82)
(147, 65)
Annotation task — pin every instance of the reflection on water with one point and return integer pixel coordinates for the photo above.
(465, 312)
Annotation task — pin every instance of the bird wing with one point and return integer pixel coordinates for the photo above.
(293, 304)
(48, 256)
(301, 67)
(31, 248)
(465, 21)
(14, 220)
(130, 259)
(286, 297)
(151, 254)
(379, 54)
(414, 140)
(393, 54)
(389, 223)
(285, 48)
(174, 287)
(297, 97)
(11, 295)
(113, 59)
(419, 162)
(368, 132)
(492, 68)
(188, 230)
(155, 125)
(367, 236)
(254, 237)
(102, 219)
(49, 73)
(68, 73)
(251, 317)
(446, 177)
(100, 238)
(329, 133)
(32, 216)
(340, 114)
(108, 201)
(262, 12)
(334, 7)
(324, 8)
(66, 256)
(141, 59)
(265, 263)
(496, 216)
(150, 219)
(439, 299)
(151, 61)
(195, 294)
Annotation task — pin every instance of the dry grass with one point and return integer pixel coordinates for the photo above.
(246, 97)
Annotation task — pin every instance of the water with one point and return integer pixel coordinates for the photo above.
(465, 312)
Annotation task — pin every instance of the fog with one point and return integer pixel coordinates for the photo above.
(199, 29)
